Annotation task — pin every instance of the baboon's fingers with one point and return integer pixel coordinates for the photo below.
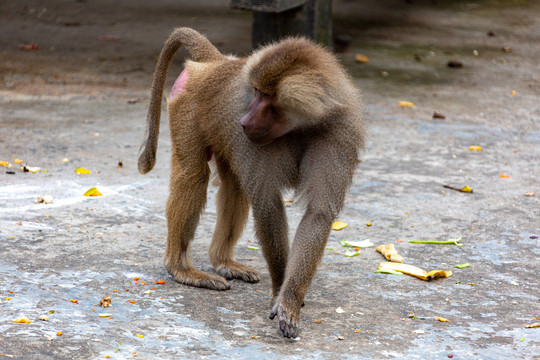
(286, 325)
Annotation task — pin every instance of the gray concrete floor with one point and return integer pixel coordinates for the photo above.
(71, 97)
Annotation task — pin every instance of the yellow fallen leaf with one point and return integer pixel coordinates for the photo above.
(32, 169)
(406, 104)
(414, 270)
(338, 225)
(5, 163)
(82, 171)
(390, 253)
(93, 192)
(17, 161)
(475, 148)
(466, 189)
(139, 335)
(441, 319)
(22, 320)
(361, 58)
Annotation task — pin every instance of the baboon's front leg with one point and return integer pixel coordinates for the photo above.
(306, 253)
(272, 232)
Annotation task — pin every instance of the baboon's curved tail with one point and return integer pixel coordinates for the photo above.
(200, 50)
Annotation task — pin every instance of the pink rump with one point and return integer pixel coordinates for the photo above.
(180, 83)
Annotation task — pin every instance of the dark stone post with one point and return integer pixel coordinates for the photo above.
(275, 19)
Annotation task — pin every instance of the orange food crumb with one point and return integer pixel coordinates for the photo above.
(504, 176)
(357, 330)
(161, 297)
(59, 333)
(131, 301)
(160, 282)
(135, 279)
(115, 291)
(74, 301)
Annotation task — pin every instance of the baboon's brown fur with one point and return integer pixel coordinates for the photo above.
(314, 150)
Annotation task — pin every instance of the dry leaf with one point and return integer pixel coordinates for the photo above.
(338, 225)
(92, 192)
(437, 115)
(45, 199)
(105, 302)
(415, 271)
(390, 253)
(32, 169)
(361, 58)
(406, 104)
(82, 171)
(22, 320)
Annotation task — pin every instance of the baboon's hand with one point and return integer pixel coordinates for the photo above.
(287, 321)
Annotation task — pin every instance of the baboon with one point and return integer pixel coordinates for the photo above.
(285, 117)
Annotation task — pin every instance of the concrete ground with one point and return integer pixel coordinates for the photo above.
(82, 95)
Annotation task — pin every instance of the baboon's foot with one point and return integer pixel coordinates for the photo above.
(198, 278)
(234, 270)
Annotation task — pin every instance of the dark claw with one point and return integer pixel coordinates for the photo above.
(272, 315)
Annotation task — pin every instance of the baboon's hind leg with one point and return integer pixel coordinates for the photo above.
(189, 180)
(232, 214)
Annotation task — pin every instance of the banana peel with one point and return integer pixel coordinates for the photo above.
(390, 253)
(415, 271)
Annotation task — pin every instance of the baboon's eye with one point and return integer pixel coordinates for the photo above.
(257, 91)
